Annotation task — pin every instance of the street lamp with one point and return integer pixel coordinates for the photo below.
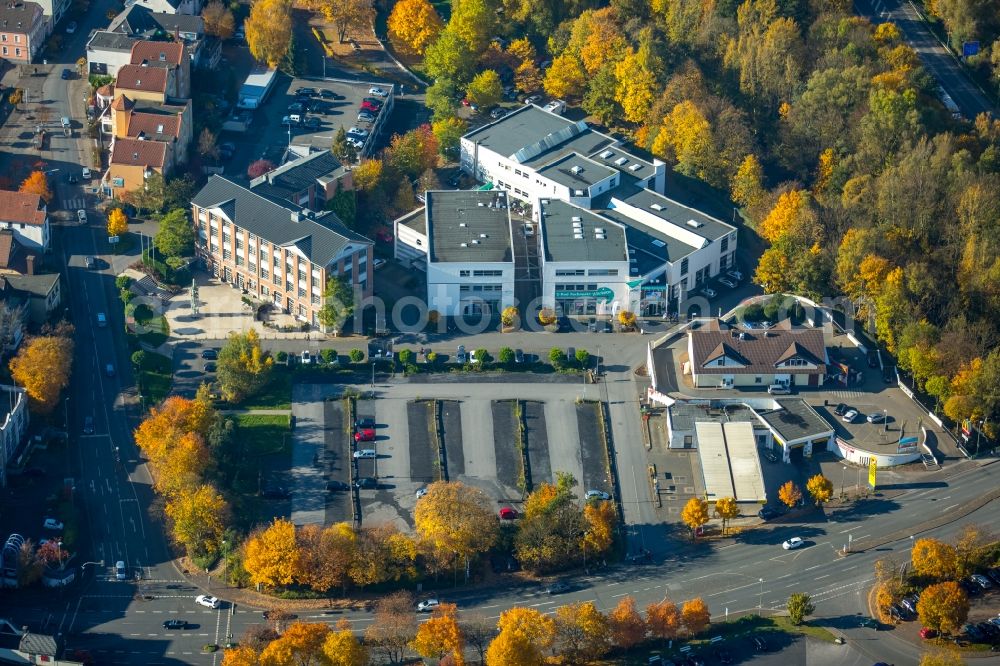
(760, 597)
(843, 473)
(225, 564)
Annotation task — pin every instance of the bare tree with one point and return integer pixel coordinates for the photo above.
(478, 633)
(395, 626)
(11, 323)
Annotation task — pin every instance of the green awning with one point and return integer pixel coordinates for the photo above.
(485, 188)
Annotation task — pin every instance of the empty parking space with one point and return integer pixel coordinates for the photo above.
(593, 449)
(423, 456)
(337, 461)
(537, 443)
(505, 439)
(451, 421)
(480, 453)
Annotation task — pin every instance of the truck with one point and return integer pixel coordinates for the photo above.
(257, 86)
(950, 104)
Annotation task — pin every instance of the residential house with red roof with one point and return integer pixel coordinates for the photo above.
(25, 214)
(132, 162)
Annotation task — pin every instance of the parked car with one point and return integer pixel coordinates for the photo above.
(334, 486)
(378, 92)
(210, 367)
(768, 513)
(971, 587)
(994, 574)
(708, 293)
(312, 122)
(364, 422)
(427, 605)
(498, 113)
(66, 74)
(876, 417)
(460, 354)
(358, 132)
(71, 27)
(366, 482)
(306, 357)
(85, 173)
(365, 453)
(374, 101)
(507, 513)
(366, 117)
(207, 600)
(88, 425)
(421, 492)
(371, 108)
(377, 264)
(120, 572)
(728, 283)
(779, 389)
(275, 492)
(849, 416)
(793, 543)
(840, 409)
(211, 354)
(52, 524)
(973, 632)
(81, 215)
(909, 603)
(175, 624)
(982, 581)
(305, 92)
(596, 495)
(473, 358)
(735, 275)
(365, 435)
(328, 94)
(532, 99)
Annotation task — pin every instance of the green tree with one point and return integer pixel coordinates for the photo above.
(486, 89)
(505, 355)
(442, 99)
(338, 302)
(356, 355)
(243, 367)
(344, 205)
(449, 131)
(582, 358)
(175, 238)
(341, 148)
(450, 58)
(799, 605)
(557, 357)
(473, 21)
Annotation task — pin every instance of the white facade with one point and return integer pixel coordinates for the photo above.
(33, 236)
(102, 60)
(455, 289)
(14, 426)
(54, 11)
(189, 7)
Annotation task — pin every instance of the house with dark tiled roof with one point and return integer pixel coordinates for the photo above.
(275, 250)
(26, 216)
(726, 356)
(139, 22)
(108, 51)
(23, 28)
(308, 181)
(22, 283)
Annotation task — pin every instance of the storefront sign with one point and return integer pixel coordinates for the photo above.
(604, 293)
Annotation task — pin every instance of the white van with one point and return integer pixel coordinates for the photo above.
(779, 389)
(120, 573)
(365, 453)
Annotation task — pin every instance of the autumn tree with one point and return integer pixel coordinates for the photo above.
(414, 152)
(348, 16)
(117, 222)
(37, 183)
(485, 90)
(271, 554)
(582, 632)
(549, 535)
(525, 635)
(820, 489)
(325, 555)
(342, 647)
(259, 167)
(565, 78)
(663, 619)
(300, 644)
(943, 607)
(942, 657)
(243, 367)
(449, 59)
(785, 215)
(695, 514)
(747, 185)
(414, 24)
(685, 139)
(383, 554)
(789, 494)
(198, 519)
(636, 75)
(972, 549)
(628, 629)
(473, 22)
(601, 520)
(726, 508)
(456, 519)
(208, 146)
(449, 132)
(269, 30)
(799, 605)
(440, 635)
(218, 20)
(695, 616)
(42, 367)
(933, 559)
(394, 626)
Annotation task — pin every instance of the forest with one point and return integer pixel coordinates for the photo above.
(824, 129)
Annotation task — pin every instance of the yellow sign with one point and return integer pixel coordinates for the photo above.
(872, 470)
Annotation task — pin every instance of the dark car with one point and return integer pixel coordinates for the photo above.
(210, 367)
(872, 358)
(296, 107)
(66, 74)
(970, 587)
(768, 513)
(973, 632)
(305, 92)
(363, 423)
(557, 587)
(366, 482)
(337, 485)
(869, 622)
(210, 354)
(175, 624)
(840, 409)
(328, 94)
(275, 492)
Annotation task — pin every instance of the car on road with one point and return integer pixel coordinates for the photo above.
(927, 633)
(210, 354)
(52, 524)
(557, 587)
(378, 92)
(460, 354)
(427, 605)
(175, 624)
(120, 572)
(768, 513)
(869, 622)
(365, 453)
(793, 543)
(275, 492)
(366, 482)
(81, 215)
(849, 416)
(364, 422)
(596, 495)
(207, 600)
(840, 409)
(728, 283)
(88, 425)
(109, 369)
(508, 513)
(708, 293)
(66, 74)
(71, 27)
(334, 486)
(876, 417)
(365, 435)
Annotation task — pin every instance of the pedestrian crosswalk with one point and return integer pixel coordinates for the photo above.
(74, 203)
(849, 394)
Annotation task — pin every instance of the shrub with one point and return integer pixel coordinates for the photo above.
(356, 355)
(626, 318)
(509, 316)
(406, 357)
(282, 357)
(754, 312)
(773, 307)
(432, 357)
(582, 357)
(557, 356)
(483, 356)
(329, 355)
(546, 317)
(505, 355)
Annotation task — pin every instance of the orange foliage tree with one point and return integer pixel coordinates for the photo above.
(628, 629)
(42, 367)
(37, 183)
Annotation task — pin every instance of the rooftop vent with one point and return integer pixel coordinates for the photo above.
(480, 204)
(621, 160)
(135, 156)
(483, 236)
(578, 236)
(578, 193)
(635, 167)
(577, 169)
(599, 230)
(600, 237)
(656, 206)
(163, 56)
(577, 218)
(658, 243)
(159, 129)
(606, 154)
(695, 225)
(464, 244)
(462, 224)
(545, 202)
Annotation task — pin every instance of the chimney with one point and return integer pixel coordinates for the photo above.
(31, 264)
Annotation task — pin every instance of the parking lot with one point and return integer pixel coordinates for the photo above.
(415, 422)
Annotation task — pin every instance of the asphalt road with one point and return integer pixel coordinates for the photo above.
(935, 57)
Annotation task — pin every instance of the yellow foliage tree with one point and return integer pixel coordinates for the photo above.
(789, 494)
(695, 616)
(37, 183)
(241, 655)
(626, 318)
(747, 185)
(695, 513)
(415, 25)
(820, 488)
(441, 635)
(602, 519)
(342, 647)
(456, 519)
(772, 272)
(525, 635)
(943, 607)
(582, 632)
(270, 554)
(636, 86)
(785, 214)
(605, 42)
(628, 629)
(368, 175)
(244, 368)
(942, 657)
(182, 465)
(663, 619)
(887, 33)
(117, 222)
(527, 77)
(686, 138)
(872, 273)
(198, 519)
(565, 78)
(300, 644)
(726, 508)
(824, 170)
(932, 558)
(42, 368)
(509, 316)
(269, 30)
(219, 20)
(325, 556)
(547, 317)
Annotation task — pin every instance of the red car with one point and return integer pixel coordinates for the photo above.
(368, 106)
(365, 435)
(927, 632)
(508, 513)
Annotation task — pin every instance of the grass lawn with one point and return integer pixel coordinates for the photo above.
(265, 446)
(263, 434)
(155, 330)
(155, 377)
(276, 395)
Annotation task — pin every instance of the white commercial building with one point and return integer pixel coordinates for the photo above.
(13, 426)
